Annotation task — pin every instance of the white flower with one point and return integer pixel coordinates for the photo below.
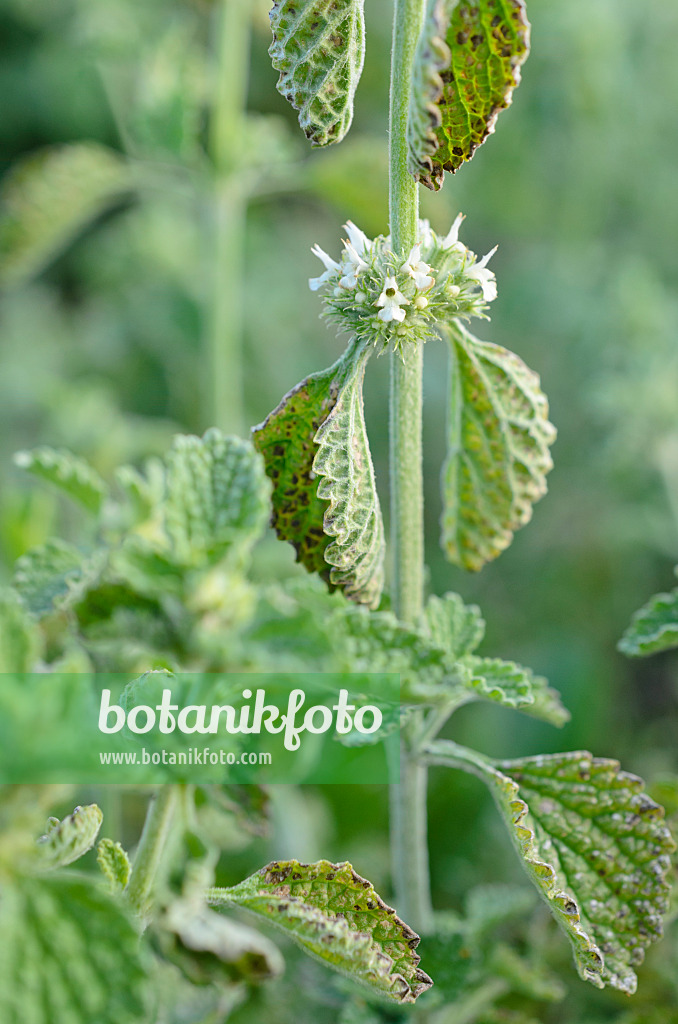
(357, 238)
(425, 234)
(417, 269)
(391, 301)
(351, 266)
(331, 266)
(451, 239)
(485, 278)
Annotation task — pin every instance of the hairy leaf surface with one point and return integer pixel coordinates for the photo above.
(336, 915)
(514, 686)
(498, 450)
(68, 953)
(66, 471)
(217, 496)
(319, 47)
(596, 847)
(466, 68)
(49, 198)
(67, 840)
(654, 628)
(325, 500)
(456, 627)
(114, 863)
(44, 576)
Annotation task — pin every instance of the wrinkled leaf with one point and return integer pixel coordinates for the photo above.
(324, 495)
(114, 863)
(44, 577)
(513, 686)
(466, 67)
(69, 955)
(67, 840)
(456, 627)
(19, 638)
(319, 47)
(217, 497)
(66, 471)
(49, 198)
(336, 915)
(596, 847)
(654, 628)
(498, 450)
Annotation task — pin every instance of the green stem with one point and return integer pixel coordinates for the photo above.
(408, 798)
(230, 208)
(152, 845)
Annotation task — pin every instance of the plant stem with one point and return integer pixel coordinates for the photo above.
(408, 798)
(152, 844)
(230, 209)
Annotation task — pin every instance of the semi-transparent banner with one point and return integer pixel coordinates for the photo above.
(245, 727)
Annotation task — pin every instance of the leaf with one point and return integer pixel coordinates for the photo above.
(598, 851)
(378, 642)
(498, 450)
(467, 65)
(66, 471)
(325, 500)
(49, 198)
(653, 628)
(66, 841)
(488, 906)
(69, 955)
(336, 915)
(513, 686)
(210, 948)
(319, 47)
(44, 577)
(19, 637)
(216, 498)
(114, 863)
(456, 627)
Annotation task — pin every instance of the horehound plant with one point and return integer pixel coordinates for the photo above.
(165, 586)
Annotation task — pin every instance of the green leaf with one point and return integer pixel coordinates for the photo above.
(114, 863)
(217, 497)
(67, 840)
(66, 471)
(337, 916)
(77, 947)
(319, 47)
(597, 849)
(49, 198)
(211, 949)
(488, 906)
(653, 628)
(19, 637)
(325, 500)
(526, 977)
(378, 642)
(513, 686)
(467, 65)
(45, 576)
(498, 450)
(454, 626)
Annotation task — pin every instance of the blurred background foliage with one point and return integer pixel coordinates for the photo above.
(104, 349)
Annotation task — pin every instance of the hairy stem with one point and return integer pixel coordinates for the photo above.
(408, 798)
(152, 845)
(230, 208)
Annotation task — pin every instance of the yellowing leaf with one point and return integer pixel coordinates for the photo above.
(498, 449)
(325, 500)
(336, 915)
(466, 68)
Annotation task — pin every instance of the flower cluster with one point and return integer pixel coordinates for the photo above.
(385, 296)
